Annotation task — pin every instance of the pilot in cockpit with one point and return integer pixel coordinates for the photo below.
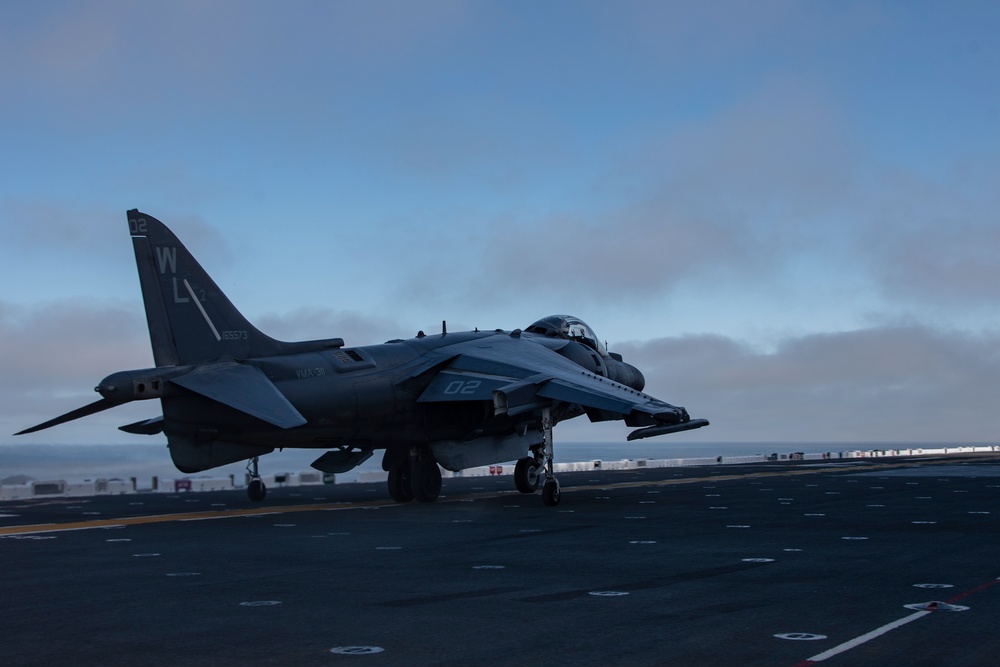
(571, 328)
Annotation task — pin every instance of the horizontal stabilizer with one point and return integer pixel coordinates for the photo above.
(243, 388)
(92, 408)
(144, 427)
(663, 430)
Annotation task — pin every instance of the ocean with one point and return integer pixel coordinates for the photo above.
(75, 463)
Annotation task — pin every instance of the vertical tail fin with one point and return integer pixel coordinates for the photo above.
(190, 319)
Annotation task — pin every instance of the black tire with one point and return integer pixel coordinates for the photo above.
(426, 482)
(256, 490)
(526, 475)
(400, 488)
(550, 493)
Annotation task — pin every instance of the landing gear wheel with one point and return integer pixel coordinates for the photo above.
(426, 481)
(550, 492)
(400, 488)
(526, 474)
(256, 490)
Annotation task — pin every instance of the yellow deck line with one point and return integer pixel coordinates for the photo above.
(322, 507)
(182, 516)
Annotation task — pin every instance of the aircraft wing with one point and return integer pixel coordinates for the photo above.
(525, 377)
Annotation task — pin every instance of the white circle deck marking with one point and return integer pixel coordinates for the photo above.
(758, 560)
(853, 538)
(607, 594)
(935, 606)
(144, 555)
(388, 548)
(489, 567)
(933, 585)
(285, 525)
(800, 636)
(978, 512)
(119, 539)
(791, 549)
(642, 542)
(738, 525)
(356, 650)
(183, 574)
(260, 603)
(924, 523)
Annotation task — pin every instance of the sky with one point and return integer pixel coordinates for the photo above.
(787, 214)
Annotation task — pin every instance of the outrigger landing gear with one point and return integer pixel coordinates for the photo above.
(256, 490)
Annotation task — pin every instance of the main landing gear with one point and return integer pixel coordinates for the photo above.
(417, 477)
(530, 469)
(256, 490)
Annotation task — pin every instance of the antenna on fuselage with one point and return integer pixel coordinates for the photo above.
(444, 327)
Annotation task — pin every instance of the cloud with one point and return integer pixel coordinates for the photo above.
(718, 202)
(316, 322)
(53, 355)
(935, 239)
(905, 383)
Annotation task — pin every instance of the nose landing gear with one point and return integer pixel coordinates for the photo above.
(531, 469)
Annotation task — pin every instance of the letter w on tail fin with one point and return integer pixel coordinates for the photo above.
(190, 319)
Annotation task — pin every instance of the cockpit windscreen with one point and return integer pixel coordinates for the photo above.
(570, 328)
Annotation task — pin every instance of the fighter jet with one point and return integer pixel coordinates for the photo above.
(452, 399)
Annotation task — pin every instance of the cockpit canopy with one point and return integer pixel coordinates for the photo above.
(569, 328)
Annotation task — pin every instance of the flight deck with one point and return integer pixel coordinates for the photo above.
(788, 563)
